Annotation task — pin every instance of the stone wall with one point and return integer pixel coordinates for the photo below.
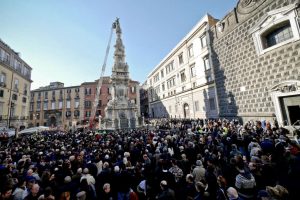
(244, 78)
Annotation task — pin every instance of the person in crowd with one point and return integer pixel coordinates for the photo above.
(166, 192)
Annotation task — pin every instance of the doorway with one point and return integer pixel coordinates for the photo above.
(52, 121)
(186, 110)
(294, 113)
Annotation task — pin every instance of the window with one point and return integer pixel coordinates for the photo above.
(156, 92)
(203, 41)
(212, 105)
(46, 95)
(87, 104)
(190, 51)
(156, 78)
(169, 67)
(277, 35)
(1, 93)
(133, 89)
(171, 82)
(38, 106)
(182, 76)
(99, 103)
(68, 113)
(162, 73)
(77, 103)
(31, 106)
(2, 79)
(68, 104)
(18, 65)
(69, 91)
(25, 89)
(180, 59)
(108, 91)
(60, 105)
(4, 56)
(196, 105)
(278, 27)
(16, 84)
(88, 91)
(78, 89)
(14, 97)
(52, 105)
(87, 113)
(163, 87)
(46, 105)
(193, 70)
(76, 113)
(206, 63)
(183, 88)
(24, 99)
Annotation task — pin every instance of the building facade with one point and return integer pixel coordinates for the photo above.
(15, 82)
(56, 106)
(89, 89)
(182, 84)
(144, 102)
(255, 57)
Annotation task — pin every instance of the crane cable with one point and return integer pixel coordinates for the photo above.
(96, 101)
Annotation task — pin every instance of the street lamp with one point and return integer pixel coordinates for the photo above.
(11, 106)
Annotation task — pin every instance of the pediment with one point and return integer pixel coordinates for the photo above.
(273, 16)
(287, 86)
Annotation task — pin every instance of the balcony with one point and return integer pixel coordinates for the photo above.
(5, 61)
(3, 117)
(2, 84)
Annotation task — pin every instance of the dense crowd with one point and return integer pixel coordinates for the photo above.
(178, 159)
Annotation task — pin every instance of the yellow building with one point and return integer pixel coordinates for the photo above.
(15, 81)
(55, 106)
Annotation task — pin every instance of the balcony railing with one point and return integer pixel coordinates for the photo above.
(3, 117)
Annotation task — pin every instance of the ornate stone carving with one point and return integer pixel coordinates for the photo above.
(287, 87)
(248, 6)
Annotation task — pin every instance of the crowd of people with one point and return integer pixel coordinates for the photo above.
(176, 160)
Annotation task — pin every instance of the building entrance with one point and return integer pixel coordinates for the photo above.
(286, 99)
(52, 121)
(294, 113)
(186, 110)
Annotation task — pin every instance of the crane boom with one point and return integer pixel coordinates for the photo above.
(99, 85)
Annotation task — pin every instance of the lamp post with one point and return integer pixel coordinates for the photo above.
(11, 106)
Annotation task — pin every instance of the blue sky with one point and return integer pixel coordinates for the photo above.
(65, 40)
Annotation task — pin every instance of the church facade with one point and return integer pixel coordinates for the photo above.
(256, 61)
